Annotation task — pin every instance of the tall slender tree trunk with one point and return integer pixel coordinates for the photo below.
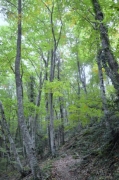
(31, 96)
(31, 154)
(12, 144)
(34, 120)
(102, 89)
(82, 77)
(47, 118)
(61, 107)
(52, 70)
(51, 124)
(62, 121)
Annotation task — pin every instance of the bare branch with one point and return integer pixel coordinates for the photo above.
(12, 4)
(46, 6)
(60, 29)
(52, 26)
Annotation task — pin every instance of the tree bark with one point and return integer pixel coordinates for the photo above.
(31, 154)
(13, 147)
(108, 60)
(102, 89)
(35, 120)
(62, 121)
(61, 108)
(82, 77)
(52, 69)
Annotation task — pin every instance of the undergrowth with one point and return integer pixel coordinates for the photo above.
(98, 148)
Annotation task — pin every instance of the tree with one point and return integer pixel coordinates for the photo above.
(63, 48)
(106, 54)
(12, 144)
(30, 150)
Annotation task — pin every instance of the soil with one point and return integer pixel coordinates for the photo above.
(63, 168)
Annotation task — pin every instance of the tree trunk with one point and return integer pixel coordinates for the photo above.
(82, 77)
(105, 52)
(62, 121)
(47, 118)
(102, 89)
(52, 70)
(31, 154)
(12, 144)
(61, 107)
(51, 124)
(35, 120)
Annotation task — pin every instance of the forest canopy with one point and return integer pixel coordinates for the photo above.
(58, 71)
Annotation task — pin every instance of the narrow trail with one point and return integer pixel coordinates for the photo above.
(63, 169)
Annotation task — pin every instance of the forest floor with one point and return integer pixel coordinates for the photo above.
(62, 168)
(90, 154)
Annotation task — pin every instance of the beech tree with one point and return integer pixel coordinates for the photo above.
(30, 150)
(12, 143)
(64, 52)
(106, 54)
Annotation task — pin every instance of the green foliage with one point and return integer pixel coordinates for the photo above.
(86, 108)
(54, 87)
(2, 150)
(77, 42)
(3, 165)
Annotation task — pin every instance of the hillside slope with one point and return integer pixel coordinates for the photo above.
(91, 154)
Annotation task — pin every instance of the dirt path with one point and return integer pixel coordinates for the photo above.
(64, 169)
